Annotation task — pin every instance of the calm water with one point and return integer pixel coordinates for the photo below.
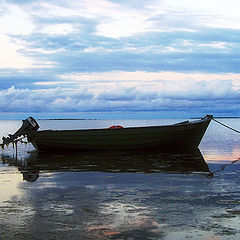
(123, 195)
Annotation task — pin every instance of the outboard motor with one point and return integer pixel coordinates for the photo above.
(29, 124)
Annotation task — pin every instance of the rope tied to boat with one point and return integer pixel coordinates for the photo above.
(232, 162)
(224, 166)
(226, 125)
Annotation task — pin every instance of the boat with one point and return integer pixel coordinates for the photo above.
(183, 135)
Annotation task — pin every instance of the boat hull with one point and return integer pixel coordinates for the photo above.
(171, 137)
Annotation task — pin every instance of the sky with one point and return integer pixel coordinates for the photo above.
(119, 58)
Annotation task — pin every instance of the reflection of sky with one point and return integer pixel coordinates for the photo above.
(9, 179)
(112, 205)
(9, 127)
(221, 144)
(222, 156)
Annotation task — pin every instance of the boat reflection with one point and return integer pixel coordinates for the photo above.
(117, 162)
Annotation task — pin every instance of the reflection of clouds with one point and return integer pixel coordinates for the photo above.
(15, 211)
(220, 143)
(9, 179)
(126, 218)
(221, 153)
(69, 204)
(219, 156)
(124, 214)
(120, 206)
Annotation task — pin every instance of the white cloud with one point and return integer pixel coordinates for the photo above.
(114, 19)
(124, 23)
(225, 8)
(14, 20)
(26, 100)
(214, 13)
(46, 9)
(179, 94)
(10, 56)
(167, 83)
(147, 76)
(58, 29)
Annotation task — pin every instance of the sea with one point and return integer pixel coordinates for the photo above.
(74, 195)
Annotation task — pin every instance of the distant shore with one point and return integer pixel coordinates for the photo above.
(215, 117)
(63, 119)
(226, 117)
(66, 119)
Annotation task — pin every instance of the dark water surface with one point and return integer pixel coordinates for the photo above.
(121, 195)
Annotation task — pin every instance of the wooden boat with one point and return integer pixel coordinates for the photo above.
(183, 135)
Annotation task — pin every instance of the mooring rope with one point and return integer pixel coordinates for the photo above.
(225, 165)
(232, 162)
(225, 125)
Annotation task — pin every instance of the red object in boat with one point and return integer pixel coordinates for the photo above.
(115, 127)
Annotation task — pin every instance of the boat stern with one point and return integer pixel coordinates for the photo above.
(29, 124)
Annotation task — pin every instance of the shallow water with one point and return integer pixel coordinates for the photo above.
(122, 195)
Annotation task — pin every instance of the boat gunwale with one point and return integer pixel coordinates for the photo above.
(175, 125)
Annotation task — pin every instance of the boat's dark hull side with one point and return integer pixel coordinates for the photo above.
(173, 137)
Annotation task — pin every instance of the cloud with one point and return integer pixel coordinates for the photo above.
(119, 55)
(10, 56)
(110, 35)
(58, 29)
(151, 81)
(171, 95)
(14, 20)
(21, 100)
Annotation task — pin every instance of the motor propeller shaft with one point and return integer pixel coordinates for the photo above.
(29, 124)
